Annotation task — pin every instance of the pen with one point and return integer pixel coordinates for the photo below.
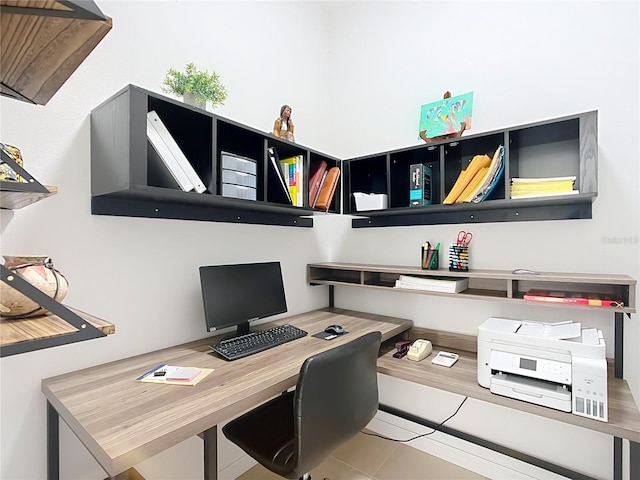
(149, 372)
(429, 259)
(425, 252)
(433, 257)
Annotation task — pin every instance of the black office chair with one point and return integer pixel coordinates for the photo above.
(336, 397)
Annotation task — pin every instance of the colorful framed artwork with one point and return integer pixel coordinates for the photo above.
(446, 116)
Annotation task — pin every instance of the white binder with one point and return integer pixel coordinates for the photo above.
(167, 158)
(173, 147)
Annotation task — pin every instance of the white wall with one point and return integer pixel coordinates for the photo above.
(356, 79)
(524, 61)
(141, 274)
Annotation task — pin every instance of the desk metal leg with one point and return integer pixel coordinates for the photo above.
(634, 459)
(53, 443)
(618, 344)
(211, 453)
(617, 458)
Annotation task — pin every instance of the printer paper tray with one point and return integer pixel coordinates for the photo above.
(531, 390)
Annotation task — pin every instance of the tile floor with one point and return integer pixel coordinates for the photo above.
(368, 457)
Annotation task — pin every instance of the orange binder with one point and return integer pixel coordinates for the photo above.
(327, 189)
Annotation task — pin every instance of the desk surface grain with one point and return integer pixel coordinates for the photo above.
(462, 378)
(122, 421)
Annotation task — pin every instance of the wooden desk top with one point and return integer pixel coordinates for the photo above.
(123, 422)
(462, 378)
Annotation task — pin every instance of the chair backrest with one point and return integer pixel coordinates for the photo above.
(336, 397)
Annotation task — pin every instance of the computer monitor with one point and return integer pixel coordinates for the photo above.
(234, 295)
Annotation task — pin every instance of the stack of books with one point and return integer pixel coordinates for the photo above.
(293, 172)
(542, 187)
(574, 298)
(433, 284)
(477, 181)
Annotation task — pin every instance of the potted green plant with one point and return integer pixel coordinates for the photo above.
(195, 86)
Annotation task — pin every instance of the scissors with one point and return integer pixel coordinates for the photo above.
(464, 238)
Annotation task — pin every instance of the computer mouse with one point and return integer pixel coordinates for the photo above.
(335, 329)
(524, 271)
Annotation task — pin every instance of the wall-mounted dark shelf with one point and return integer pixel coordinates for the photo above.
(564, 146)
(559, 208)
(127, 180)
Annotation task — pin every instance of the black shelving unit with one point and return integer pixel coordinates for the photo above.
(564, 146)
(124, 180)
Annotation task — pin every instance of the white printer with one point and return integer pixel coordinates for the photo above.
(561, 366)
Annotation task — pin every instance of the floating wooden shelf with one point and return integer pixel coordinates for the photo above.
(15, 331)
(496, 285)
(42, 47)
(14, 200)
(62, 325)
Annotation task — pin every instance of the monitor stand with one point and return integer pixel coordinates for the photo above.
(241, 329)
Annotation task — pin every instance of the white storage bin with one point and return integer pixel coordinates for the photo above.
(235, 162)
(370, 201)
(238, 178)
(238, 191)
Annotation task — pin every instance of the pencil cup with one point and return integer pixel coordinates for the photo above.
(430, 259)
(458, 258)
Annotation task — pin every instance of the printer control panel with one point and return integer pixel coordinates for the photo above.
(544, 369)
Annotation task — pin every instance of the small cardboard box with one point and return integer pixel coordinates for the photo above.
(420, 185)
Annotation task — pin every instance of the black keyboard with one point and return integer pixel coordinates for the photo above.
(255, 342)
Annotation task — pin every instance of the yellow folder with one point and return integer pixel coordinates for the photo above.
(474, 185)
(465, 177)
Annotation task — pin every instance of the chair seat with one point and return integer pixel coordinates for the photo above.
(266, 433)
(335, 397)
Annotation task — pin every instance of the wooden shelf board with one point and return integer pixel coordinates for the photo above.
(14, 331)
(383, 277)
(14, 200)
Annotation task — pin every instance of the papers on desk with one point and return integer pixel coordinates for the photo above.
(174, 375)
(558, 331)
(433, 284)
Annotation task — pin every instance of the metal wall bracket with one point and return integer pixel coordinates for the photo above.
(86, 331)
(31, 184)
(84, 10)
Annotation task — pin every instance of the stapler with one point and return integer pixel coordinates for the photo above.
(402, 348)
